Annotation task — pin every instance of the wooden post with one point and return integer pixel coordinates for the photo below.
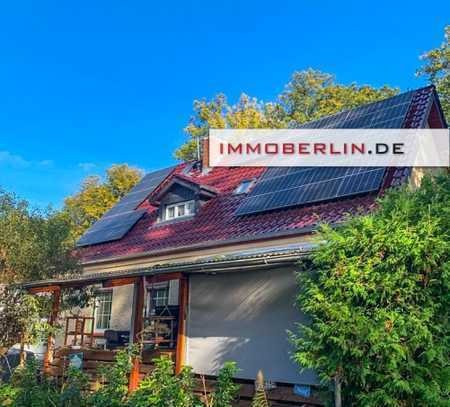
(138, 311)
(182, 314)
(48, 357)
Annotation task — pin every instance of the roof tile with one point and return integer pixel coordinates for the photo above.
(216, 222)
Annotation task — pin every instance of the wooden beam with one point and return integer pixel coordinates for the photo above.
(120, 281)
(47, 289)
(180, 356)
(48, 357)
(138, 325)
(164, 277)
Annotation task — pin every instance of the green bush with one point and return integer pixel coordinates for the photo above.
(115, 390)
(8, 394)
(32, 389)
(377, 296)
(161, 388)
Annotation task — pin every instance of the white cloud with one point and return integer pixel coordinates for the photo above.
(46, 163)
(13, 160)
(16, 161)
(87, 166)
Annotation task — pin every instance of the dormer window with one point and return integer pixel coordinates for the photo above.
(244, 186)
(180, 210)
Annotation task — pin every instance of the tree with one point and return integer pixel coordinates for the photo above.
(96, 196)
(33, 244)
(377, 296)
(308, 96)
(22, 317)
(437, 70)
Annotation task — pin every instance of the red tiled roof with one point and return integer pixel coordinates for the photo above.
(216, 222)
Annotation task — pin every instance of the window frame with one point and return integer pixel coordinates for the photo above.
(244, 187)
(175, 208)
(99, 317)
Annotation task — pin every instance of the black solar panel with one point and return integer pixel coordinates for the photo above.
(122, 217)
(385, 114)
(110, 228)
(309, 185)
(286, 187)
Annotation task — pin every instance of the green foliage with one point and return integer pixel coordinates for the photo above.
(260, 397)
(22, 317)
(74, 389)
(378, 299)
(114, 392)
(32, 389)
(33, 244)
(162, 388)
(437, 70)
(96, 196)
(309, 95)
(8, 393)
(226, 389)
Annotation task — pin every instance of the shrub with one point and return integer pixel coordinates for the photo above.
(115, 388)
(377, 295)
(74, 389)
(162, 388)
(32, 389)
(226, 389)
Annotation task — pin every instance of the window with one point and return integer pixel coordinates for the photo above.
(180, 210)
(244, 187)
(103, 310)
(160, 297)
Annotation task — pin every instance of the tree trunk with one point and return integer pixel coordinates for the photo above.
(337, 392)
(22, 354)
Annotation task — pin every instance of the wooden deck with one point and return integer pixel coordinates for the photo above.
(281, 396)
(94, 358)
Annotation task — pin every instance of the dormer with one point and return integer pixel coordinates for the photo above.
(180, 198)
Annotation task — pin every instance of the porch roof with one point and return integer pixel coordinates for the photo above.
(234, 261)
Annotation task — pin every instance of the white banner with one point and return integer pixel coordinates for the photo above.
(329, 148)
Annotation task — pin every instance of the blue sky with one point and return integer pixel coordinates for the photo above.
(89, 83)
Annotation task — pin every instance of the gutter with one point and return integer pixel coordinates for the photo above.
(204, 245)
(262, 262)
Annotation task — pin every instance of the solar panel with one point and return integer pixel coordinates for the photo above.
(116, 222)
(286, 187)
(110, 228)
(385, 114)
(309, 185)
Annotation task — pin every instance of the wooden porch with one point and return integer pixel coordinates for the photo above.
(154, 334)
(56, 361)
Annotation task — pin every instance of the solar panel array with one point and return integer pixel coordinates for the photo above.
(286, 187)
(301, 185)
(122, 217)
(385, 114)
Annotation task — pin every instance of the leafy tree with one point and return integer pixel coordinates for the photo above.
(33, 244)
(437, 70)
(21, 317)
(309, 95)
(377, 295)
(96, 196)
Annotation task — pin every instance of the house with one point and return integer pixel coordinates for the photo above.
(199, 262)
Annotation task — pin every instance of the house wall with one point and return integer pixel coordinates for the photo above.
(244, 317)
